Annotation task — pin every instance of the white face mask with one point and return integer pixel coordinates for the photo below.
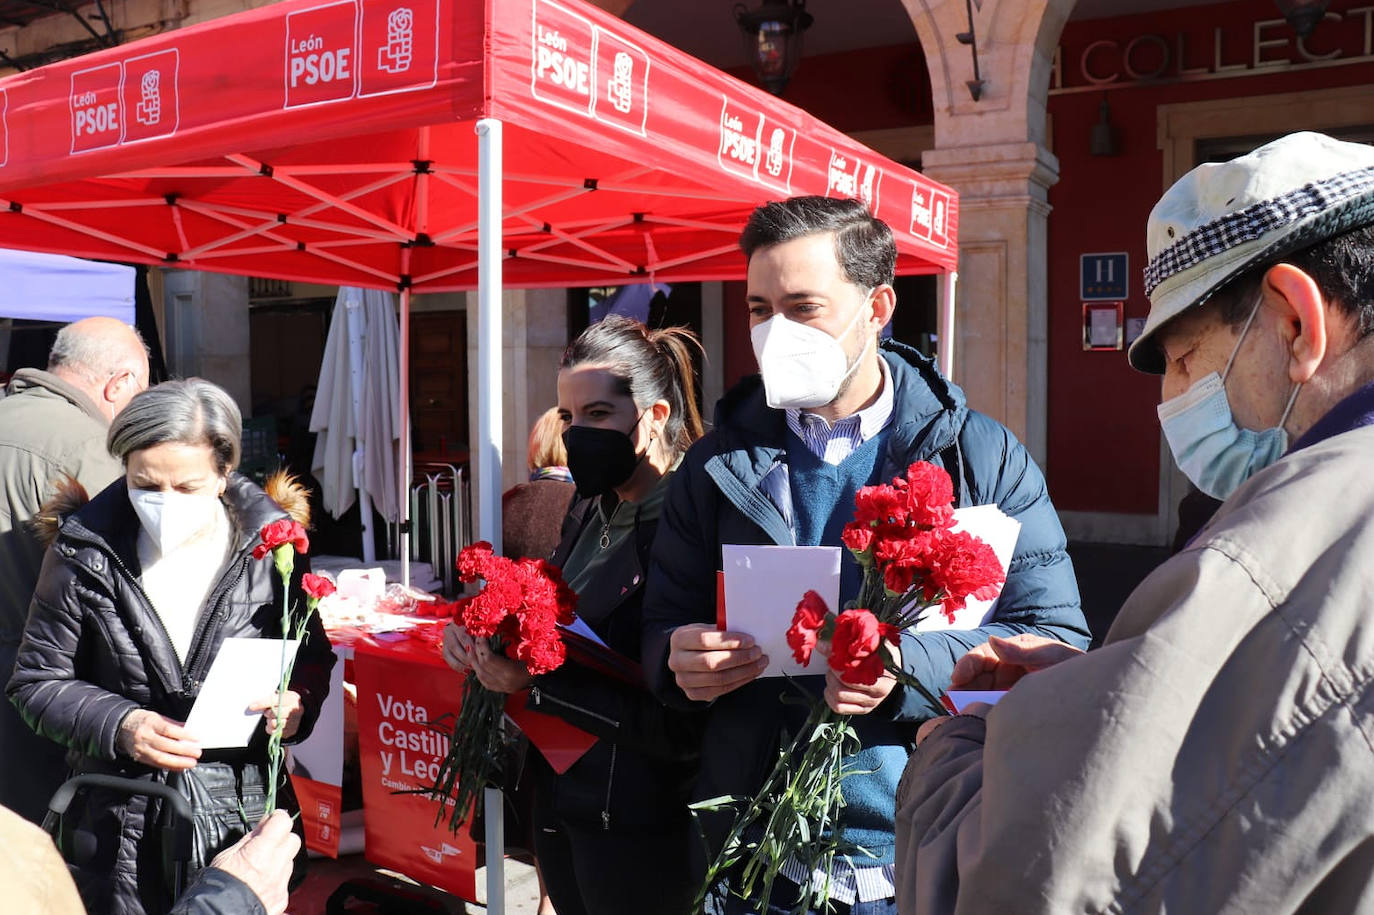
(802, 366)
(1211, 450)
(172, 518)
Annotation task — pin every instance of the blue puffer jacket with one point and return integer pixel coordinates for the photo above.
(733, 487)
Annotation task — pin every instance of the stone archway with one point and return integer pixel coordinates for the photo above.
(993, 151)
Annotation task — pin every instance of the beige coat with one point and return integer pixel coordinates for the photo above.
(48, 429)
(34, 878)
(1215, 755)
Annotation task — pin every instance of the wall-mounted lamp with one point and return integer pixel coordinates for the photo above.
(773, 39)
(1104, 135)
(1303, 15)
(975, 85)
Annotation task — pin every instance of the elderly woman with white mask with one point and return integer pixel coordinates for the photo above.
(140, 588)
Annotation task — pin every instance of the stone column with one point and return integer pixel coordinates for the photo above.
(992, 150)
(1001, 311)
(205, 330)
(534, 330)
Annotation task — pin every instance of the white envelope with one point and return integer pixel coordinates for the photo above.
(963, 698)
(763, 585)
(244, 671)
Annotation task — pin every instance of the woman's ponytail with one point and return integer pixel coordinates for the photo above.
(676, 345)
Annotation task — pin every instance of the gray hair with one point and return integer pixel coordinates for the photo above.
(90, 351)
(191, 411)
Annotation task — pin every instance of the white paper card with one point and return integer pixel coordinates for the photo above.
(963, 698)
(244, 671)
(762, 587)
(1000, 531)
(579, 625)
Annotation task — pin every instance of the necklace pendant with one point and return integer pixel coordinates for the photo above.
(605, 540)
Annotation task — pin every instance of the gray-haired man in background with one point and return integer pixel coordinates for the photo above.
(52, 424)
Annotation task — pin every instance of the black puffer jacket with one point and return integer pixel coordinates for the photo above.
(638, 774)
(95, 649)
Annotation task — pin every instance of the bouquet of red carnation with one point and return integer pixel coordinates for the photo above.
(914, 563)
(519, 607)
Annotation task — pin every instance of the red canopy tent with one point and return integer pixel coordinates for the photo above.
(332, 141)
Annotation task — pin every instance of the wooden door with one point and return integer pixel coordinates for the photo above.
(439, 385)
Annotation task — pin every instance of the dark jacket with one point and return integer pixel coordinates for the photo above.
(733, 488)
(640, 771)
(94, 650)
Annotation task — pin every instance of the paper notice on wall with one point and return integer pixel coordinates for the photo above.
(1000, 531)
(244, 671)
(1102, 327)
(762, 587)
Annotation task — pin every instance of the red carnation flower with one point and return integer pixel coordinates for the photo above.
(880, 507)
(906, 562)
(280, 533)
(855, 648)
(804, 632)
(857, 537)
(965, 567)
(929, 495)
(317, 587)
(473, 560)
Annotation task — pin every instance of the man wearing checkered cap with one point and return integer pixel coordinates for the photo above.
(1217, 753)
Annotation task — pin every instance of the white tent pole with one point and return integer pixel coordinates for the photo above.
(356, 321)
(403, 458)
(489, 425)
(945, 345)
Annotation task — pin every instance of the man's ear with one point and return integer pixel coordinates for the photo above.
(1304, 318)
(113, 386)
(884, 304)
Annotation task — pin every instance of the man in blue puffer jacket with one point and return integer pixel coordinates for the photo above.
(833, 410)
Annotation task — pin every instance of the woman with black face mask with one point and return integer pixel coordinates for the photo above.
(612, 831)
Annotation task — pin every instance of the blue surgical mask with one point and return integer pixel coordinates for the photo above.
(1215, 453)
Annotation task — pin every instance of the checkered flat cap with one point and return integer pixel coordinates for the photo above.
(1221, 219)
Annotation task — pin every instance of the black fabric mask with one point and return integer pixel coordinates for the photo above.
(599, 459)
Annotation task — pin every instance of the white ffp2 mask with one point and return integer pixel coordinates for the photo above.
(172, 518)
(802, 366)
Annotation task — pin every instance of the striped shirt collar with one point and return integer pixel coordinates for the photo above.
(833, 443)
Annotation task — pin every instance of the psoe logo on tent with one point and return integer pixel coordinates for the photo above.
(622, 78)
(97, 113)
(321, 65)
(561, 57)
(150, 95)
(850, 176)
(753, 145)
(930, 215)
(400, 49)
(739, 140)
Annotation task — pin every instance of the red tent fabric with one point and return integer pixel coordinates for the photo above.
(333, 142)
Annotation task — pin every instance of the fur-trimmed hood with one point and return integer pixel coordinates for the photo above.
(69, 496)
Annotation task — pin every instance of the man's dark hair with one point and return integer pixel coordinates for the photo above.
(863, 243)
(1342, 267)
